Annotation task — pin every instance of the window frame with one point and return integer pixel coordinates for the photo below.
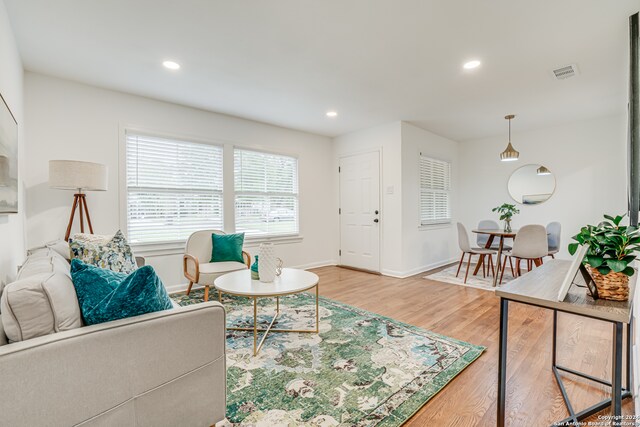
(270, 237)
(437, 222)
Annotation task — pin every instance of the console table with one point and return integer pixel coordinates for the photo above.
(540, 288)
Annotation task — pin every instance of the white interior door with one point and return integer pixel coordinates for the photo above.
(360, 211)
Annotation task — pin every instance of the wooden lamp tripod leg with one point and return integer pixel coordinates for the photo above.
(73, 212)
(80, 203)
(86, 210)
(81, 208)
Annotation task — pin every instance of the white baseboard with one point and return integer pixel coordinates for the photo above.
(180, 287)
(417, 270)
(318, 264)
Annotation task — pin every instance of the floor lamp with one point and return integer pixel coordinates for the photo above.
(78, 176)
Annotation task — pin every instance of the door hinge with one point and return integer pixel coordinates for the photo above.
(340, 252)
(338, 169)
(339, 211)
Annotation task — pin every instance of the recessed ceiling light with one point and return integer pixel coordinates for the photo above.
(471, 65)
(332, 113)
(171, 65)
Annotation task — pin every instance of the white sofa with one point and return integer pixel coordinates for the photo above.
(159, 369)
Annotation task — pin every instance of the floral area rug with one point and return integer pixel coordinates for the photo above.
(448, 275)
(362, 369)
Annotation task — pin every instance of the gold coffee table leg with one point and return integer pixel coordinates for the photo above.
(255, 325)
(258, 345)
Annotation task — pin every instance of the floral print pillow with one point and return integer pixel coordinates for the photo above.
(112, 253)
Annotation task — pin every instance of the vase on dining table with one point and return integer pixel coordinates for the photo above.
(507, 225)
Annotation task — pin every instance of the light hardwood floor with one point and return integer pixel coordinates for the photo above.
(472, 315)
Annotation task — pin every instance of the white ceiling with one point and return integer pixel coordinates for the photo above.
(287, 62)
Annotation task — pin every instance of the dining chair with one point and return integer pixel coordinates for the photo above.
(553, 238)
(482, 239)
(465, 247)
(531, 245)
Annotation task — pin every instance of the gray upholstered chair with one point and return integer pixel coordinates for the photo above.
(531, 245)
(465, 247)
(553, 238)
(482, 239)
(196, 263)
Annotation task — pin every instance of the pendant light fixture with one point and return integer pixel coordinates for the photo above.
(542, 170)
(509, 154)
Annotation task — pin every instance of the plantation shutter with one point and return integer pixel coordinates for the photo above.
(173, 188)
(266, 193)
(435, 191)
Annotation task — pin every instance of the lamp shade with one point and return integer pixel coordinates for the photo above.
(76, 175)
(509, 154)
(542, 170)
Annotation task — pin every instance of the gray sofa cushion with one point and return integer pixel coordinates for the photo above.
(59, 246)
(41, 261)
(42, 301)
(3, 336)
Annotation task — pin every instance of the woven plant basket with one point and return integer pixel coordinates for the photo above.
(611, 286)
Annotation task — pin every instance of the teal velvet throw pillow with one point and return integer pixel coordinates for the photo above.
(106, 295)
(227, 247)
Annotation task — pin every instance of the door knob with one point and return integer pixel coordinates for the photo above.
(375, 220)
(376, 212)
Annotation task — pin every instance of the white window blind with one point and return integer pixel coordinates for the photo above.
(266, 193)
(435, 191)
(173, 188)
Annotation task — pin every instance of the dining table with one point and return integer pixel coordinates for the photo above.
(494, 233)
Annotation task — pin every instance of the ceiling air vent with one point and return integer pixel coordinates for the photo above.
(565, 72)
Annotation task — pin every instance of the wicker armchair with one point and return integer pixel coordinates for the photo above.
(196, 266)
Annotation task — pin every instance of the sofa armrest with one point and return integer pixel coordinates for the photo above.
(164, 368)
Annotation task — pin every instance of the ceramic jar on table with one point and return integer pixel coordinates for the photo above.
(268, 262)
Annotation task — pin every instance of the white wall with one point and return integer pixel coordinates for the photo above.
(74, 121)
(387, 140)
(588, 159)
(426, 247)
(406, 248)
(12, 230)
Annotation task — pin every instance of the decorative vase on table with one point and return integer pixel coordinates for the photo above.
(268, 262)
(506, 211)
(254, 270)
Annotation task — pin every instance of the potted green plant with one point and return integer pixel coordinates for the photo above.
(612, 247)
(506, 211)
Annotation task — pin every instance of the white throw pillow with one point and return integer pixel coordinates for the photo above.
(40, 304)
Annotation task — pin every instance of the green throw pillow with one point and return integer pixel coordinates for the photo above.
(227, 247)
(106, 295)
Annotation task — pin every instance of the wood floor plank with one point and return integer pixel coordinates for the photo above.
(472, 315)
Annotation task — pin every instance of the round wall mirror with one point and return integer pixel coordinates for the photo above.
(531, 184)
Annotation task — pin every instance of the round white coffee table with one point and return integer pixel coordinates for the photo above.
(291, 281)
